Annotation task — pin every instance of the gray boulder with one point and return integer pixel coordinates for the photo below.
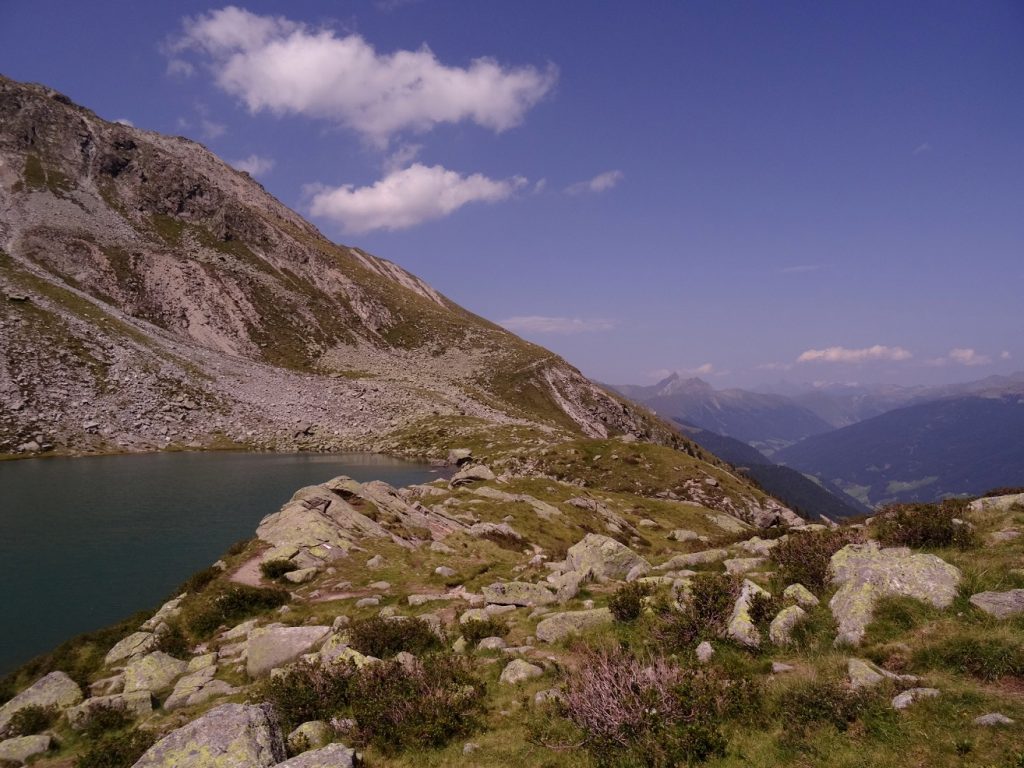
(21, 748)
(312, 734)
(905, 699)
(560, 625)
(1002, 605)
(55, 690)
(138, 704)
(603, 557)
(153, 672)
(780, 631)
(993, 718)
(866, 674)
(331, 756)
(865, 573)
(228, 736)
(517, 593)
(473, 473)
(741, 627)
(801, 595)
(694, 558)
(519, 671)
(276, 646)
(135, 645)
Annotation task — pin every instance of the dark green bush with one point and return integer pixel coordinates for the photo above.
(174, 642)
(103, 719)
(198, 581)
(704, 613)
(383, 638)
(924, 525)
(116, 750)
(986, 658)
(229, 604)
(819, 702)
(627, 603)
(763, 609)
(804, 556)
(29, 721)
(309, 691)
(276, 569)
(238, 547)
(425, 705)
(476, 630)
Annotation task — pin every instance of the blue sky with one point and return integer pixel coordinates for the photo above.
(749, 191)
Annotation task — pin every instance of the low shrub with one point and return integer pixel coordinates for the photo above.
(819, 702)
(198, 581)
(103, 719)
(423, 705)
(238, 547)
(308, 691)
(924, 525)
(704, 614)
(987, 658)
(650, 713)
(29, 721)
(383, 638)
(120, 749)
(763, 608)
(276, 569)
(627, 603)
(228, 605)
(804, 556)
(174, 642)
(476, 630)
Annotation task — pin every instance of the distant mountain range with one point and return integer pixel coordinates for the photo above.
(863, 445)
(806, 496)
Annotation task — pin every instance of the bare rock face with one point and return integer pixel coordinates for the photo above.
(228, 736)
(53, 690)
(865, 573)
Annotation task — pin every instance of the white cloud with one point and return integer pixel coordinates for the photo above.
(539, 186)
(703, 370)
(600, 183)
(1004, 355)
(967, 356)
(125, 121)
(844, 355)
(255, 165)
(180, 68)
(209, 129)
(276, 64)
(407, 197)
(560, 325)
(921, 148)
(402, 156)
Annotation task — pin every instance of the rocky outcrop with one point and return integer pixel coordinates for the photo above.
(152, 673)
(138, 704)
(519, 671)
(55, 690)
(865, 573)
(603, 557)
(1002, 605)
(228, 736)
(272, 647)
(135, 645)
(21, 748)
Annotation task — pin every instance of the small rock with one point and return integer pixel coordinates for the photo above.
(801, 595)
(469, 748)
(367, 602)
(331, 756)
(781, 629)
(491, 644)
(445, 571)
(518, 671)
(993, 718)
(517, 593)
(778, 668)
(682, 534)
(561, 625)
(302, 575)
(376, 562)
(1002, 605)
(905, 699)
(704, 652)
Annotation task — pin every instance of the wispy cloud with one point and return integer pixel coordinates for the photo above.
(1004, 355)
(210, 129)
(774, 367)
(254, 165)
(283, 66)
(402, 157)
(556, 325)
(845, 355)
(407, 197)
(798, 269)
(600, 183)
(922, 148)
(963, 356)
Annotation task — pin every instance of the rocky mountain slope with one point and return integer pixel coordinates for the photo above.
(953, 446)
(152, 297)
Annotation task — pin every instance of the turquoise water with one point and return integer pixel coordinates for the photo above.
(85, 542)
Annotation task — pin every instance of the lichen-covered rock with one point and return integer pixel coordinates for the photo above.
(865, 573)
(302, 575)
(866, 674)
(517, 593)
(567, 585)
(189, 686)
(275, 646)
(153, 672)
(519, 671)
(331, 756)
(21, 748)
(228, 736)
(132, 647)
(561, 625)
(138, 704)
(741, 627)
(168, 611)
(780, 631)
(740, 565)
(310, 735)
(55, 690)
(905, 699)
(693, 558)
(603, 557)
(1002, 605)
(801, 595)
